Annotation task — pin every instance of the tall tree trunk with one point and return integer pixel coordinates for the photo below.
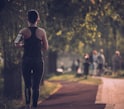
(12, 82)
(52, 62)
(11, 70)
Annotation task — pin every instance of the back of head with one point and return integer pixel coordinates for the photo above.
(94, 52)
(33, 16)
(117, 52)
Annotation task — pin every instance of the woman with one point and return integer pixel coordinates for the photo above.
(35, 41)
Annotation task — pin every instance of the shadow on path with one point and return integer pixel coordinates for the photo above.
(73, 95)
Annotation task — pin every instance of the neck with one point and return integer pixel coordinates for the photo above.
(32, 25)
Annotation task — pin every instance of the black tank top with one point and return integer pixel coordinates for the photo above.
(32, 45)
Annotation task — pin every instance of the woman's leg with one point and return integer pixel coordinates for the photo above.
(26, 69)
(37, 76)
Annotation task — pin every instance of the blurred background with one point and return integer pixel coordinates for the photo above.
(74, 28)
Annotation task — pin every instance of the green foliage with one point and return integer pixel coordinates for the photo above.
(87, 21)
(72, 25)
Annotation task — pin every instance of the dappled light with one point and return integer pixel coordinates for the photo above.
(77, 31)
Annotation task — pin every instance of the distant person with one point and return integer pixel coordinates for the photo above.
(34, 40)
(78, 67)
(116, 61)
(95, 64)
(101, 61)
(91, 62)
(61, 69)
(75, 64)
(86, 65)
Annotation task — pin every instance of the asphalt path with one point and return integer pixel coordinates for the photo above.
(73, 95)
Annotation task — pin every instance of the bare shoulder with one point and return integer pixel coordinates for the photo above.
(26, 32)
(23, 30)
(41, 30)
(41, 33)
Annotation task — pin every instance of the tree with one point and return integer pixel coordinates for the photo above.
(72, 26)
(11, 70)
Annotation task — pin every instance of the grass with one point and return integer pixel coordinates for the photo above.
(48, 89)
(119, 74)
(72, 78)
(45, 91)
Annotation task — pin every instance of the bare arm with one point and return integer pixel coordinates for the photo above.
(45, 41)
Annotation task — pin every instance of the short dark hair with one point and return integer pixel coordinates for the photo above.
(32, 16)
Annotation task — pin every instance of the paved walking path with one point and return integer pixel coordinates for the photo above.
(73, 95)
(111, 92)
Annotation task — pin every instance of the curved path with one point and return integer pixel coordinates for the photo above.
(73, 95)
